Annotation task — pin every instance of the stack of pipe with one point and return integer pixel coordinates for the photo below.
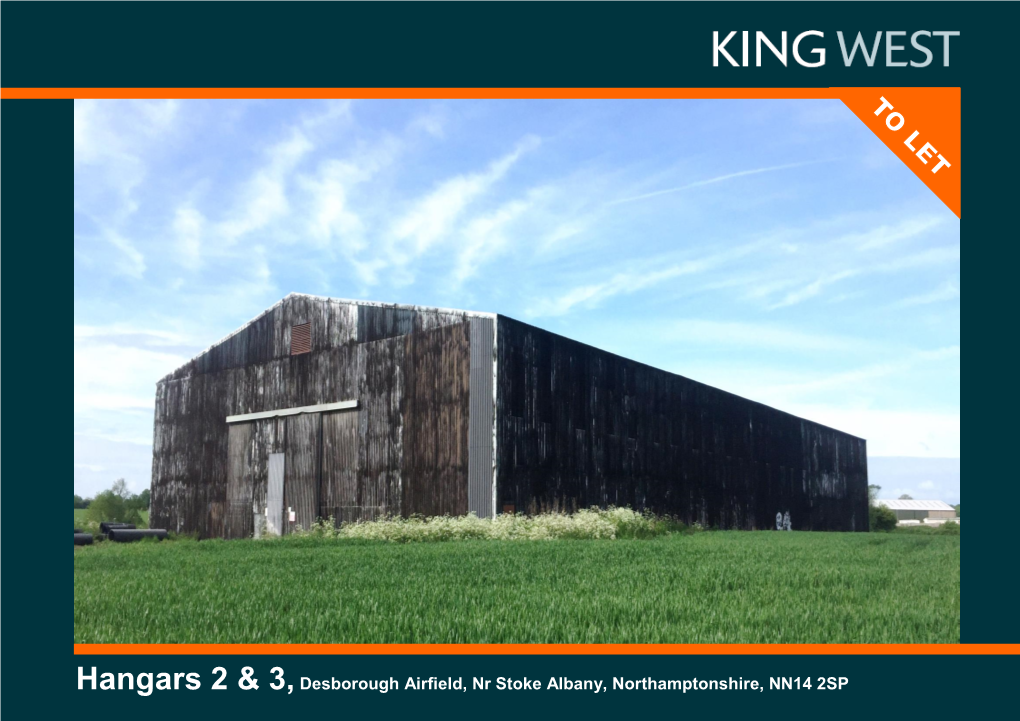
(82, 539)
(127, 535)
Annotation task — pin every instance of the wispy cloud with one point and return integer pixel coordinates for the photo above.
(116, 367)
(484, 238)
(131, 262)
(432, 217)
(931, 256)
(334, 218)
(759, 335)
(189, 225)
(886, 235)
(869, 372)
(812, 289)
(628, 282)
(948, 291)
(111, 142)
(264, 198)
(716, 179)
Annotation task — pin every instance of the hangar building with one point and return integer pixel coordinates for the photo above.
(354, 410)
(910, 510)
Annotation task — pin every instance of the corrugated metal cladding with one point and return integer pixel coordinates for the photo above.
(404, 450)
(580, 427)
(240, 521)
(301, 468)
(561, 426)
(480, 455)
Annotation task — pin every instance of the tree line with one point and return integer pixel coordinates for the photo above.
(117, 503)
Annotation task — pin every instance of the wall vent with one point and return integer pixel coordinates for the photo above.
(301, 339)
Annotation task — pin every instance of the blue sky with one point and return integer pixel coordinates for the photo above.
(776, 249)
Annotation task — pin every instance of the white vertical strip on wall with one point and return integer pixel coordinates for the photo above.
(274, 494)
(480, 417)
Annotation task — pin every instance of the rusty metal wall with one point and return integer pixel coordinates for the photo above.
(268, 437)
(381, 432)
(340, 466)
(239, 523)
(252, 371)
(578, 427)
(435, 452)
(301, 475)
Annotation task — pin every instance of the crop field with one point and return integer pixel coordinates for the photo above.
(79, 517)
(710, 587)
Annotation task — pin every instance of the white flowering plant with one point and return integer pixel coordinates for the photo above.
(587, 524)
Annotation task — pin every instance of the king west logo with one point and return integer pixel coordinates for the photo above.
(808, 48)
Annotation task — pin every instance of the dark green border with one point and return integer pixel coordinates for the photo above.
(488, 45)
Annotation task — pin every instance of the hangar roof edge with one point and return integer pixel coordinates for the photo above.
(348, 301)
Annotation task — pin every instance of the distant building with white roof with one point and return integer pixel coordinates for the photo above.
(917, 510)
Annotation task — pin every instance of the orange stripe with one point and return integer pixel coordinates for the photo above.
(419, 93)
(536, 649)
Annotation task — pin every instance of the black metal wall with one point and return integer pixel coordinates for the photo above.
(579, 427)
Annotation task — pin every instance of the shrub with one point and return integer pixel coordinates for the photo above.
(882, 519)
(588, 524)
(110, 506)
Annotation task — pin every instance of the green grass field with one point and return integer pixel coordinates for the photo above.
(713, 587)
(79, 517)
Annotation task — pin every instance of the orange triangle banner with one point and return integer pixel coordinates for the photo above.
(920, 125)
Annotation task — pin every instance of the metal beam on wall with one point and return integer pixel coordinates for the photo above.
(320, 408)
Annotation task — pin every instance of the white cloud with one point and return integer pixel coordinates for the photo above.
(189, 225)
(98, 462)
(888, 234)
(432, 122)
(922, 434)
(112, 142)
(932, 256)
(334, 111)
(858, 375)
(432, 218)
(812, 289)
(264, 197)
(948, 291)
(484, 237)
(926, 486)
(628, 282)
(140, 336)
(131, 261)
(116, 367)
(333, 218)
(717, 179)
(757, 335)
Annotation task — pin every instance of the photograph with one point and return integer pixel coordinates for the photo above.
(511, 371)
